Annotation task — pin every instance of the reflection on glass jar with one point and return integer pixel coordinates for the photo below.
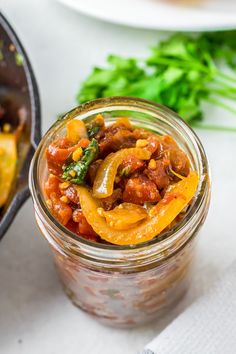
(125, 285)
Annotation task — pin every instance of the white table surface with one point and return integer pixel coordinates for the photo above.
(35, 315)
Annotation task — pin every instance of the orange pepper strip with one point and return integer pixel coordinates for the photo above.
(104, 181)
(176, 198)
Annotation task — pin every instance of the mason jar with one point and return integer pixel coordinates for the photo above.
(125, 286)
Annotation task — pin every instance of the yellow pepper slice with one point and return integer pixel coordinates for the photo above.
(124, 216)
(176, 198)
(76, 130)
(104, 181)
(124, 121)
(8, 159)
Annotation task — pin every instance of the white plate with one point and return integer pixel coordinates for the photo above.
(161, 14)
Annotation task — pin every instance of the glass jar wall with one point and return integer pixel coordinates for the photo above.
(125, 285)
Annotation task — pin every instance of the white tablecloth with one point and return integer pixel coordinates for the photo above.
(207, 326)
(35, 315)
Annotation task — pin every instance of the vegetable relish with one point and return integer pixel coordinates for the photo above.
(117, 183)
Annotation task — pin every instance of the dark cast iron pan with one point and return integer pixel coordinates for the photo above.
(18, 96)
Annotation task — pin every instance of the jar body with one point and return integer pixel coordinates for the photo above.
(126, 299)
(125, 286)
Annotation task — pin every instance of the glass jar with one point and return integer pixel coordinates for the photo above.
(125, 285)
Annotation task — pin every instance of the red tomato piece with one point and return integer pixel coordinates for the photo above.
(83, 227)
(72, 226)
(153, 143)
(59, 209)
(139, 190)
(52, 185)
(158, 175)
(130, 165)
(71, 194)
(110, 202)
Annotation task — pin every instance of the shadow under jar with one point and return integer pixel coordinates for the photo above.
(125, 286)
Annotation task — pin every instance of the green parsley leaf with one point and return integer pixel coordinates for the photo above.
(181, 72)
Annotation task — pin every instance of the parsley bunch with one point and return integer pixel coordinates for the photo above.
(180, 73)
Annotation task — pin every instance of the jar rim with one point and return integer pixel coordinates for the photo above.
(115, 103)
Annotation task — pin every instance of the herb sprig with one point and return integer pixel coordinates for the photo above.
(181, 72)
(76, 171)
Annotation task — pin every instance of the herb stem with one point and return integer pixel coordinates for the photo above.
(224, 93)
(226, 76)
(180, 64)
(214, 127)
(223, 83)
(220, 104)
